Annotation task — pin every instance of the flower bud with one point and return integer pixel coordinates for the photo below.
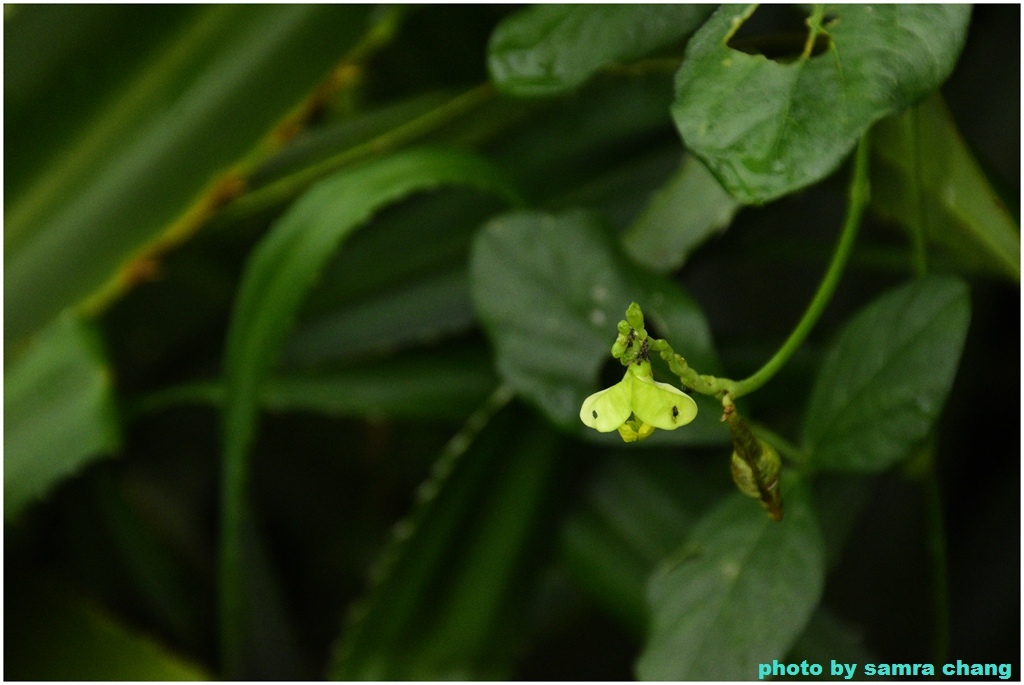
(635, 317)
(755, 467)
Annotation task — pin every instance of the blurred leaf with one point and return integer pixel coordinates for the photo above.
(550, 290)
(445, 384)
(636, 509)
(447, 601)
(545, 50)
(59, 637)
(738, 593)
(280, 272)
(575, 139)
(810, 112)
(288, 260)
(430, 309)
(828, 638)
(441, 386)
(163, 151)
(682, 214)
(883, 384)
(958, 208)
(59, 411)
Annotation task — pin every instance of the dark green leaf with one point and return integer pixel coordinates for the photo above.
(550, 290)
(448, 598)
(430, 309)
(681, 215)
(957, 207)
(549, 49)
(435, 385)
(571, 141)
(445, 385)
(737, 594)
(883, 384)
(59, 411)
(278, 276)
(143, 167)
(636, 509)
(58, 637)
(810, 111)
(288, 260)
(828, 637)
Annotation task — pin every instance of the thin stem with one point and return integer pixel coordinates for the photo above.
(288, 187)
(919, 258)
(937, 551)
(858, 200)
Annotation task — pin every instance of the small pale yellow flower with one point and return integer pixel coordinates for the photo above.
(638, 404)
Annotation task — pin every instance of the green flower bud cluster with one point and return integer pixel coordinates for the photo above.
(637, 404)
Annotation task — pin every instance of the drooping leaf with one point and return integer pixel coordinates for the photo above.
(766, 128)
(688, 209)
(957, 207)
(161, 150)
(884, 382)
(281, 271)
(550, 289)
(55, 636)
(549, 49)
(59, 411)
(738, 593)
(447, 600)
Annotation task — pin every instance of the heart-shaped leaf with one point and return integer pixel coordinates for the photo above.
(766, 128)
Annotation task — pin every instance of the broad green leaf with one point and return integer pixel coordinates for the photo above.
(59, 411)
(278, 276)
(687, 210)
(549, 49)
(884, 382)
(55, 636)
(957, 207)
(810, 111)
(738, 593)
(447, 601)
(162, 151)
(550, 290)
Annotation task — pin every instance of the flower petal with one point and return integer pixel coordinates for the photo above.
(607, 409)
(660, 404)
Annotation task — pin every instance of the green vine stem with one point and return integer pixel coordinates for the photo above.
(859, 195)
(727, 389)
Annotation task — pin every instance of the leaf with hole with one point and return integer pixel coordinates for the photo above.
(766, 128)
